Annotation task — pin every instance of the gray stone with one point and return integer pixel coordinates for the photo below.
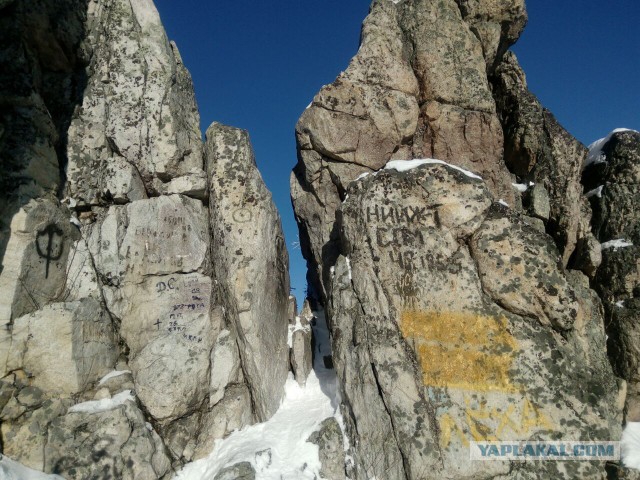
(331, 450)
(255, 280)
(451, 307)
(64, 347)
(301, 354)
(417, 88)
(233, 412)
(537, 148)
(539, 199)
(225, 366)
(25, 436)
(496, 23)
(616, 216)
(138, 109)
(239, 471)
(110, 444)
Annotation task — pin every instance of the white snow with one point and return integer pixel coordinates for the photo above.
(521, 187)
(630, 445)
(349, 267)
(404, 165)
(112, 374)
(74, 221)
(595, 154)
(12, 470)
(97, 406)
(502, 202)
(616, 244)
(620, 304)
(294, 328)
(362, 175)
(597, 192)
(291, 457)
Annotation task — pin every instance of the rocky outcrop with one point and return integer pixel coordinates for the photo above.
(330, 447)
(547, 161)
(613, 180)
(250, 260)
(433, 80)
(137, 317)
(137, 131)
(417, 87)
(453, 322)
(301, 343)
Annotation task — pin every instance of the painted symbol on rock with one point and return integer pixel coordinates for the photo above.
(242, 215)
(53, 251)
(463, 350)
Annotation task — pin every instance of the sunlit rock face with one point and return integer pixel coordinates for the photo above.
(459, 301)
(139, 323)
(454, 322)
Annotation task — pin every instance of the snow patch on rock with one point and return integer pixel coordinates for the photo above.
(97, 406)
(405, 165)
(596, 154)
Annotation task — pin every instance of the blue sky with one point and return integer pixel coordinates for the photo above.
(257, 65)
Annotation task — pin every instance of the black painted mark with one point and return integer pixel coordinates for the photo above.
(158, 324)
(242, 215)
(162, 286)
(50, 231)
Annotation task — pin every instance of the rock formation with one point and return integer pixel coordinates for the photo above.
(144, 291)
(453, 322)
(136, 313)
(613, 180)
(458, 296)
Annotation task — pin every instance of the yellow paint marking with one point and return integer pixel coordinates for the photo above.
(462, 350)
(490, 425)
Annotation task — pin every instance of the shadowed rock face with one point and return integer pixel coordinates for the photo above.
(618, 278)
(453, 322)
(113, 259)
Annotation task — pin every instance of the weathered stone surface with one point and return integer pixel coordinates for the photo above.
(301, 345)
(239, 471)
(147, 255)
(255, 280)
(616, 216)
(115, 443)
(233, 412)
(26, 436)
(225, 366)
(496, 23)
(417, 88)
(331, 450)
(64, 347)
(453, 322)
(40, 237)
(138, 117)
(106, 261)
(538, 149)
